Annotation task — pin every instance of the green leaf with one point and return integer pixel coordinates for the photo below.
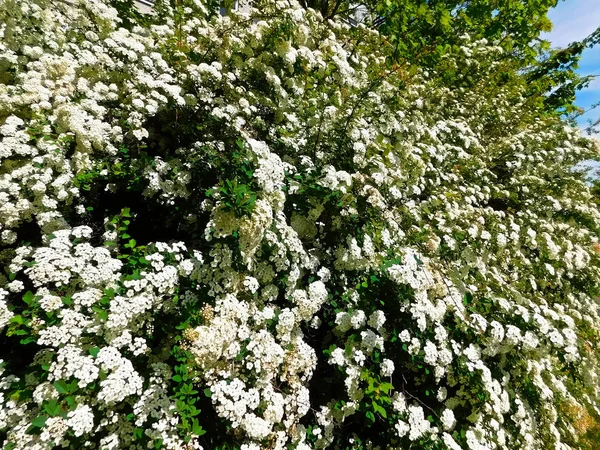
(177, 378)
(386, 387)
(138, 433)
(28, 297)
(39, 421)
(61, 386)
(52, 408)
(16, 319)
(207, 392)
(71, 402)
(378, 409)
(94, 351)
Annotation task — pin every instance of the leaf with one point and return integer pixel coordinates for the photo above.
(39, 421)
(61, 386)
(370, 416)
(386, 387)
(71, 402)
(196, 428)
(16, 319)
(28, 297)
(52, 408)
(177, 378)
(378, 409)
(207, 392)
(138, 433)
(94, 351)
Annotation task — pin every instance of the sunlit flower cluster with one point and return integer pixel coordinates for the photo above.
(250, 232)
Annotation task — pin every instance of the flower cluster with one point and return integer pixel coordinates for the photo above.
(250, 231)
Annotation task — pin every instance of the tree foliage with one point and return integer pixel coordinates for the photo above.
(423, 31)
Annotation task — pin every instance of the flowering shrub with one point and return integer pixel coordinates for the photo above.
(253, 231)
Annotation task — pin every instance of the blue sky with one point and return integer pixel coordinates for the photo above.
(574, 20)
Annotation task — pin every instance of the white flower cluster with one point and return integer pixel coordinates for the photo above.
(341, 248)
(90, 336)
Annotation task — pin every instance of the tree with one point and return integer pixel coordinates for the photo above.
(422, 31)
(252, 231)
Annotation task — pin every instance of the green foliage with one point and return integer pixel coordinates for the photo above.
(238, 198)
(129, 13)
(377, 396)
(185, 396)
(413, 183)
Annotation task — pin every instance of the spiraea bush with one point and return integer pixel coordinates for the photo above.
(255, 232)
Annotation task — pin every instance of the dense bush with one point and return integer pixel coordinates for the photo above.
(255, 231)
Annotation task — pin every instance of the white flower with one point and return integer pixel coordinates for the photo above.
(376, 320)
(251, 284)
(15, 286)
(418, 424)
(337, 357)
(81, 420)
(358, 319)
(387, 368)
(447, 419)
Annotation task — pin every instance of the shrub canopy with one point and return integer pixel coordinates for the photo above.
(253, 232)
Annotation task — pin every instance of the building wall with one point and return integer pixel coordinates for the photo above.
(144, 6)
